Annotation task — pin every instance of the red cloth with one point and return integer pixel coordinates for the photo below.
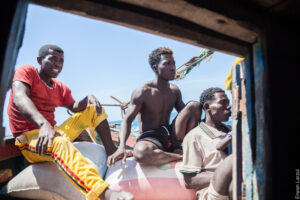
(45, 99)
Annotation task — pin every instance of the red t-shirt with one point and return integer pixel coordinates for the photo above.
(45, 98)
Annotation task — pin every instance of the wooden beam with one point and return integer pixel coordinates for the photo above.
(151, 21)
(236, 133)
(11, 41)
(200, 16)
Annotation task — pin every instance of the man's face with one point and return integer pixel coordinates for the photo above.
(219, 107)
(166, 67)
(52, 63)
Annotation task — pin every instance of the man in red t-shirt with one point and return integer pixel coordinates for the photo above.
(35, 95)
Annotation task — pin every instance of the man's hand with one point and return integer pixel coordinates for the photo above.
(121, 153)
(91, 99)
(45, 139)
(229, 134)
(129, 153)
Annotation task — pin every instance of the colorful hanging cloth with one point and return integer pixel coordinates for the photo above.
(228, 80)
(204, 54)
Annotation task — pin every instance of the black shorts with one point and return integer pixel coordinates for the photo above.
(163, 137)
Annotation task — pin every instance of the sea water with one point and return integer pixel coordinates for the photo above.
(135, 123)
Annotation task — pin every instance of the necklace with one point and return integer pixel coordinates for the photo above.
(51, 88)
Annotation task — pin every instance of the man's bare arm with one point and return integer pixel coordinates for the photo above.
(223, 143)
(27, 108)
(179, 103)
(134, 107)
(197, 181)
(86, 102)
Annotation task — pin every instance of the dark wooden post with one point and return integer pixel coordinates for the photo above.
(13, 15)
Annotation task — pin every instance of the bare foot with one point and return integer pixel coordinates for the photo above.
(109, 194)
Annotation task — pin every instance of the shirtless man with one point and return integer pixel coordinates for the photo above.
(35, 94)
(153, 103)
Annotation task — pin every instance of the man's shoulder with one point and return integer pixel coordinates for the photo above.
(194, 133)
(26, 74)
(201, 132)
(27, 68)
(174, 87)
(194, 136)
(140, 92)
(146, 86)
(143, 88)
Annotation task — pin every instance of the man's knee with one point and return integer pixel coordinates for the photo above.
(142, 151)
(60, 141)
(227, 166)
(223, 176)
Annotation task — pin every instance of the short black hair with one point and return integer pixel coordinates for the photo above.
(208, 94)
(44, 50)
(155, 55)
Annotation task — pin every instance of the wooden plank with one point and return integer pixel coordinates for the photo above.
(10, 51)
(247, 169)
(201, 16)
(151, 21)
(236, 134)
(248, 130)
(267, 3)
(277, 58)
(262, 140)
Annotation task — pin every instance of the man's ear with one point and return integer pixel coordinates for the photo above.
(39, 60)
(154, 68)
(206, 106)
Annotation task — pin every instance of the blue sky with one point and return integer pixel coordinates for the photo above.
(105, 59)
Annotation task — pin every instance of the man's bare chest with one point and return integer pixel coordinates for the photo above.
(159, 101)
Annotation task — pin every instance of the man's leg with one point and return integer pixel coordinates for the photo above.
(80, 121)
(69, 160)
(186, 120)
(223, 177)
(147, 153)
(88, 118)
(72, 164)
(103, 131)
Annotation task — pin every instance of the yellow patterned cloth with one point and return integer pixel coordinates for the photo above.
(63, 153)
